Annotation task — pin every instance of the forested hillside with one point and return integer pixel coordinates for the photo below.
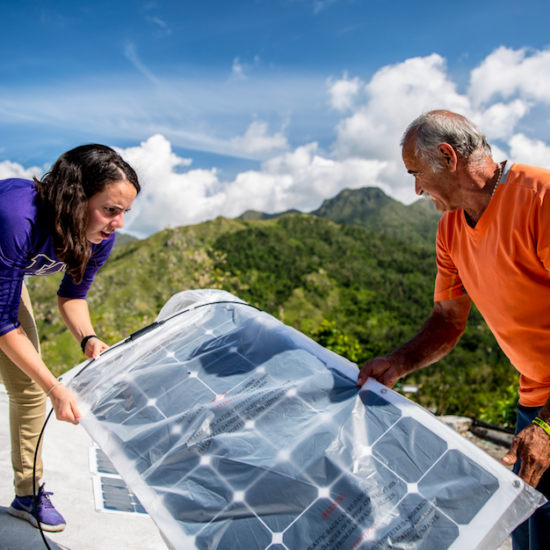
(370, 207)
(358, 292)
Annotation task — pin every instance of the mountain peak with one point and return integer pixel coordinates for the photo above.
(370, 207)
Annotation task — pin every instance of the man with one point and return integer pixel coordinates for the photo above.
(493, 248)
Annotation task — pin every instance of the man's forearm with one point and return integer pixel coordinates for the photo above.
(435, 340)
(437, 337)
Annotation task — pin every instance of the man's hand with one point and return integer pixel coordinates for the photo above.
(64, 404)
(94, 346)
(383, 369)
(532, 445)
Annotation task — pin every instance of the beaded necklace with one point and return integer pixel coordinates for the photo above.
(501, 166)
(500, 170)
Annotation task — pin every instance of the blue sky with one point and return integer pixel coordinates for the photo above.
(268, 104)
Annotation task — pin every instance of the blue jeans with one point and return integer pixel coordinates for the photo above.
(533, 533)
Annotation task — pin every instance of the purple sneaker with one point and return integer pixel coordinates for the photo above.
(50, 519)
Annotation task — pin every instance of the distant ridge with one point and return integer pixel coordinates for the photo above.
(255, 215)
(123, 238)
(370, 207)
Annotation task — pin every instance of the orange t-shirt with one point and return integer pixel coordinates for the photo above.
(503, 265)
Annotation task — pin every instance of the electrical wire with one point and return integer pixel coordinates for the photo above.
(34, 495)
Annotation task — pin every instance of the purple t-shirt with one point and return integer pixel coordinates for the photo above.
(27, 249)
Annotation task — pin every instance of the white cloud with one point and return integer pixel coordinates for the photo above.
(529, 151)
(256, 139)
(396, 95)
(343, 92)
(365, 147)
(153, 156)
(132, 56)
(237, 69)
(507, 72)
(499, 120)
(169, 197)
(498, 154)
(10, 169)
(503, 89)
(299, 179)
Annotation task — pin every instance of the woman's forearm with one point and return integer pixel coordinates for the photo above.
(16, 345)
(76, 316)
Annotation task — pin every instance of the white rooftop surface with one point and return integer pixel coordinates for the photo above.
(67, 474)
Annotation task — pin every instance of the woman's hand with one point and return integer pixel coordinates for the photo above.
(94, 346)
(65, 405)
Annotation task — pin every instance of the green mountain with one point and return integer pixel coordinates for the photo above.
(356, 291)
(123, 238)
(370, 207)
(255, 215)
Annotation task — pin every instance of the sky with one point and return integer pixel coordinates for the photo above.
(226, 106)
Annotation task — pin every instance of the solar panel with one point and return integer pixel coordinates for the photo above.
(236, 431)
(111, 494)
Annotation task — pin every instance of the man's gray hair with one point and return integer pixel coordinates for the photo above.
(432, 129)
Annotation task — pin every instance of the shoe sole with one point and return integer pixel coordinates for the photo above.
(21, 514)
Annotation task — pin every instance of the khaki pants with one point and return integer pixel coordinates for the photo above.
(27, 408)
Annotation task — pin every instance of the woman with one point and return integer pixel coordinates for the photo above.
(66, 221)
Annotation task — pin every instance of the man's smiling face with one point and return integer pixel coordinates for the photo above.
(439, 187)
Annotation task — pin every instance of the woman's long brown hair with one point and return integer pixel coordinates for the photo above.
(63, 195)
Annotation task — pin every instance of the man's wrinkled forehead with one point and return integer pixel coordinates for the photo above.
(408, 153)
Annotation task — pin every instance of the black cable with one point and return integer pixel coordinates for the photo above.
(131, 338)
(34, 495)
(481, 424)
(143, 331)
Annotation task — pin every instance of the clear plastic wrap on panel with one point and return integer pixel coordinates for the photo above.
(237, 431)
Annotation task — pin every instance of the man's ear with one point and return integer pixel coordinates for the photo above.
(448, 157)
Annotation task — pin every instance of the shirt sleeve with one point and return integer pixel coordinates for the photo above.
(448, 284)
(100, 253)
(10, 298)
(15, 236)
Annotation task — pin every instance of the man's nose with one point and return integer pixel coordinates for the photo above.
(417, 188)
